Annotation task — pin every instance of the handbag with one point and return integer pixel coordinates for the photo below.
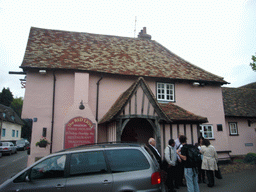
(164, 165)
(218, 173)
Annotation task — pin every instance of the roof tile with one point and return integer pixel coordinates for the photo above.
(108, 54)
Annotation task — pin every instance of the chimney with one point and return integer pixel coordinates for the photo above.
(143, 34)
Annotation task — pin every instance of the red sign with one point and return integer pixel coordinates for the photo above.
(79, 131)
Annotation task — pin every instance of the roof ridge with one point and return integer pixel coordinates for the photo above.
(96, 34)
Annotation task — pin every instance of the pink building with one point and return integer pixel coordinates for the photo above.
(83, 88)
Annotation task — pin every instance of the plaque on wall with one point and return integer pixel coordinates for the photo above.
(79, 131)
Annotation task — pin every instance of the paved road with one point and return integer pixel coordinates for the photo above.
(244, 181)
(10, 165)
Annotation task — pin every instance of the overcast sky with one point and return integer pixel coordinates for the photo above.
(218, 36)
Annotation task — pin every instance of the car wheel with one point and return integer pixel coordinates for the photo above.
(10, 153)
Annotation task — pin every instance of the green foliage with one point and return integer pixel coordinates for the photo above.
(253, 64)
(26, 129)
(239, 160)
(6, 97)
(16, 105)
(250, 158)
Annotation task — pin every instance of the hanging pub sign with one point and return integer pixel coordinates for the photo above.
(79, 131)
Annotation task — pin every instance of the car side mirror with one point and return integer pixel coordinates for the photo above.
(27, 179)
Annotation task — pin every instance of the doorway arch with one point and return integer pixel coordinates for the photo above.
(137, 130)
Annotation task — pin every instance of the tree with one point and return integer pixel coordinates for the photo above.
(16, 105)
(6, 97)
(253, 64)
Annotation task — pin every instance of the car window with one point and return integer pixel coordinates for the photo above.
(85, 163)
(20, 178)
(20, 142)
(50, 168)
(126, 160)
(5, 144)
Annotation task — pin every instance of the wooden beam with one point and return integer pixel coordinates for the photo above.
(191, 130)
(135, 94)
(142, 106)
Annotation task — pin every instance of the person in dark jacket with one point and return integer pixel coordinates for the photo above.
(190, 169)
(201, 172)
(152, 147)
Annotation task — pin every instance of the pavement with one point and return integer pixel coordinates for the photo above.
(244, 181)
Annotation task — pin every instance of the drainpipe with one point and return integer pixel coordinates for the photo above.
(53, 106)
(1, 129)
(97, 98)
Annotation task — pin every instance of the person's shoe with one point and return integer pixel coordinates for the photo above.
(199, 181)
(183, 185)
(210, 185)
(177, 187)
(204, 181)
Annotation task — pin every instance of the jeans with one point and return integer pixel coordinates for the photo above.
(191, 179)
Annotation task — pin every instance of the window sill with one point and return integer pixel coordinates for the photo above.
(165, 101)
(233, 134)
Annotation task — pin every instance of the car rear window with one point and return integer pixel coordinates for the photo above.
(122, 160)
(5, 144)
(20, 142)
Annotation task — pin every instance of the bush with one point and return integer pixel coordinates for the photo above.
(250, 158)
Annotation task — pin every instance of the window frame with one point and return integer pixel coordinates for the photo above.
(165, 92)
(236, 128)
(13, 133)
(3, 132)
(203, 132)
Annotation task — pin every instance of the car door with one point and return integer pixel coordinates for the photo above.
(89, 172)
(47, 175)
(131, 170)
(12, 147)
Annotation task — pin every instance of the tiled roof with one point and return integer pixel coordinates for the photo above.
(169, 111)
(124, 98)
(239, 102)
(178, 114)
(8, 114)
(249, 86)
(54, 49)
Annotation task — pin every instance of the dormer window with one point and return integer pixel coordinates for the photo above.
(4, 115)
(12, 117)
(165, 92)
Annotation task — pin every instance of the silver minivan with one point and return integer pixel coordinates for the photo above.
(95, 168)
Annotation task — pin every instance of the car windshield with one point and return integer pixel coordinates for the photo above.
(5, 144)
(20, 142)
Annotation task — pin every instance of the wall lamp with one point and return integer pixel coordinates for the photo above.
(198, 84)
(81, 107)
(42, 72)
